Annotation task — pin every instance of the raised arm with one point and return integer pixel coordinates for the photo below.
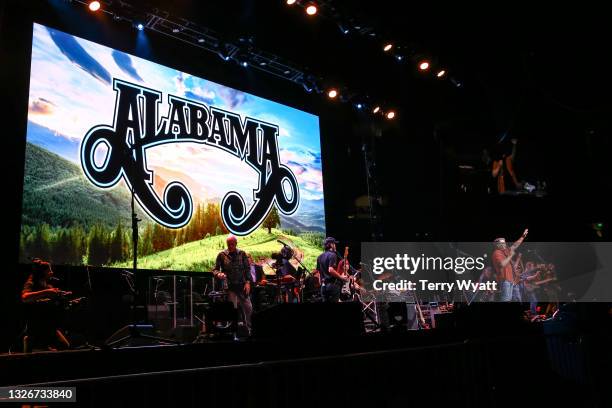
(519, 241)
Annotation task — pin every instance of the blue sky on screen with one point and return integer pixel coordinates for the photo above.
(71, 91)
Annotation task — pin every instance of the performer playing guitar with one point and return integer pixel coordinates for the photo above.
(343, 269)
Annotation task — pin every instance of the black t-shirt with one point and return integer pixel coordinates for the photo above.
(324, 261)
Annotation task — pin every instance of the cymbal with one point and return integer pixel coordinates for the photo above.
(268, 270)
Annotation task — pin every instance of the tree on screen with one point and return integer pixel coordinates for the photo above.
(272, 220)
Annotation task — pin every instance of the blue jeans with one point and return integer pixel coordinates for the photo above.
(510, 292)
(533, 300)
(330, 292)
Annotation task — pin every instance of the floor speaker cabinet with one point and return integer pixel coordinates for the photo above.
(403, 315)
(309, 320)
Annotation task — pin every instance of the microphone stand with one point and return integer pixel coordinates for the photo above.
(135, 280)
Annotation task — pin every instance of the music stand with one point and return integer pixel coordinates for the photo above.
(133, 330)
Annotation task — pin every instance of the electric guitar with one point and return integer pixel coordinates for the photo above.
(343, 268)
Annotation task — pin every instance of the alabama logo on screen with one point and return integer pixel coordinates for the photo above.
(138, 125)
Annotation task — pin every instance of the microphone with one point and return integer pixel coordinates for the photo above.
(278, 240)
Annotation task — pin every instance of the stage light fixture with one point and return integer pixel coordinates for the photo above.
(390, 115)
(244, 64)
(424, 65)
(359, 106)
(139, 26)
(94, 6)
(376, 109)
(290, 2)
(455, 82)
(441, 73)
(311, 10)
(399, 57)
(200, 40)
(332, 93)
(388, 47)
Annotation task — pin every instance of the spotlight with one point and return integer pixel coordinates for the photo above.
(455, 82)
(245, 64)
(343, 28)
(441, 73)
(332, 93)
(390, 115)
(290, 2)
(388, 47)
(399, 57)
(139, 26)
(359, 106)
(376, 109)
(94, 6)
(200, 40)
(424, 65)
(311, 10)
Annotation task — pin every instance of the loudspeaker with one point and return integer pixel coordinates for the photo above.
(403, 315)
(309, 320)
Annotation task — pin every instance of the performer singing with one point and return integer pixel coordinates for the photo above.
(232, 266)
(42, 312)
(503, 170)
(331, 280)
(504, 268)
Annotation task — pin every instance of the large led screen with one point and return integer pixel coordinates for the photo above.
(201, 160)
